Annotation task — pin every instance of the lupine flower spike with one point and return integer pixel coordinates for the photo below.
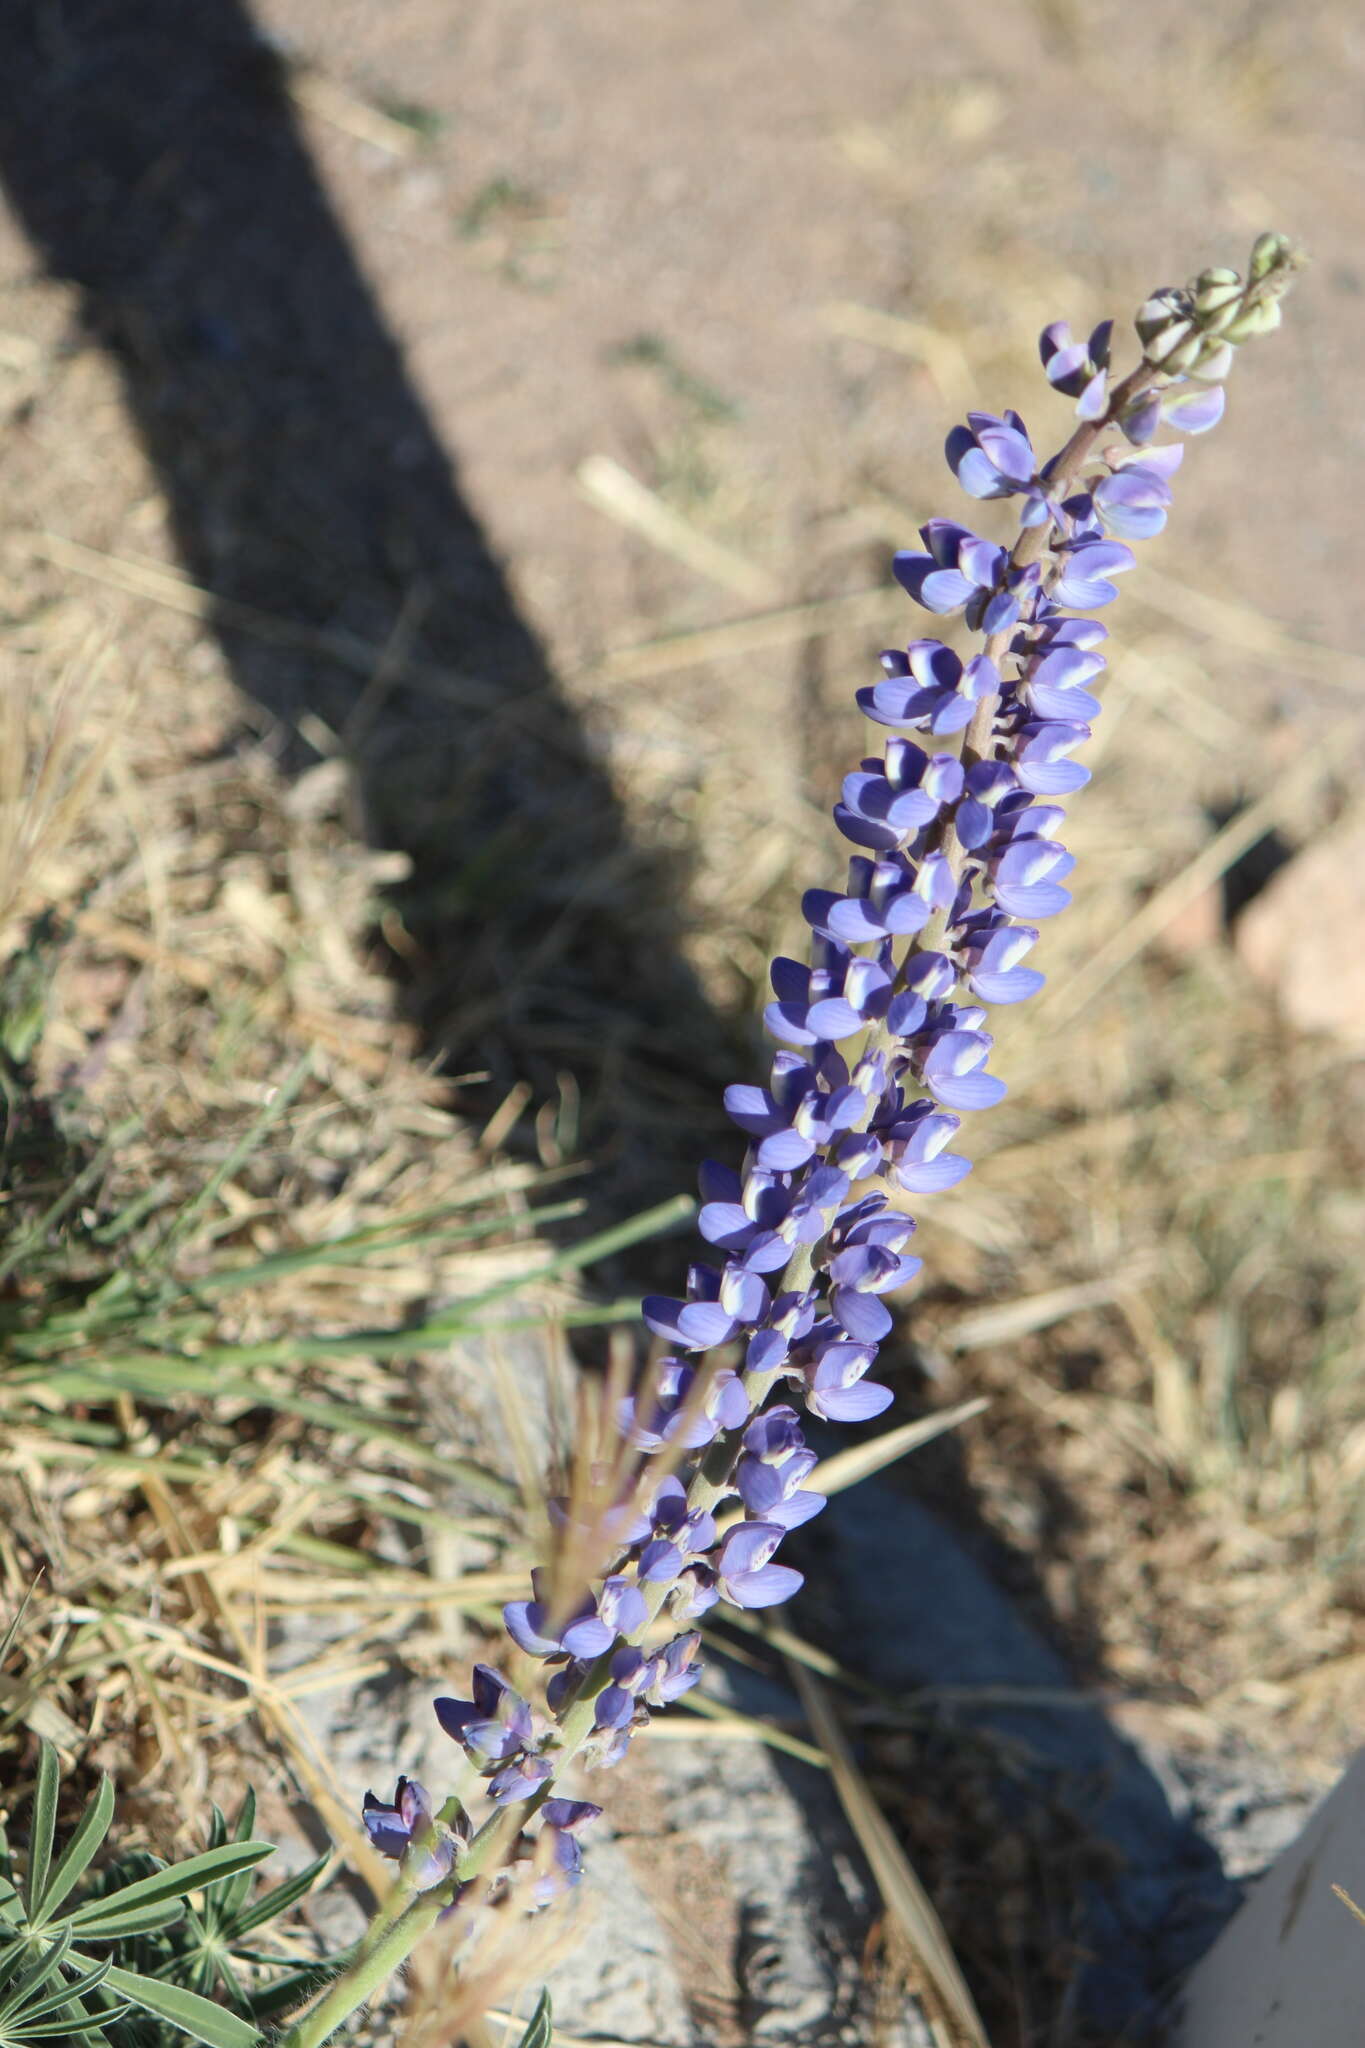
(883, 1046)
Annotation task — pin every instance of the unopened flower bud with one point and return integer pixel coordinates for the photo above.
(1185, 357)
(1215, 299)
(1269, 252)
(1215, 360)
(1165, 341)
(1158, 312)
(1261, 318)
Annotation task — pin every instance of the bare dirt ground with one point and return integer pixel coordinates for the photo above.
(315, 331)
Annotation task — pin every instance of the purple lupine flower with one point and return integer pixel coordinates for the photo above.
(587, 1631)
(410, 1823)
(744, 1573)
(927, 686)
(959, 863)
(564, 1821)
(1078, 368)
(492, 1726)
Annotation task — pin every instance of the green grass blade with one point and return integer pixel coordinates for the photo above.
(7, 1641)
(195, 2016)
(43, 1826)
(281, 1100)
(38, 1231)
(76, 1857)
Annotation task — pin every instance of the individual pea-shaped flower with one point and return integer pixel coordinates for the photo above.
(744, 1217)
(1053, 684)
(869, 1264)
(673, 1670)
(953, 1069)
(992, 951)
(886, 802)
(564, 1821)
(586, 1631)
(1132, 499)
(917, 1141)
(929, 686)
(744, 1573)
(836, 1386)
(963, 572)
(992, 457)
(494, 1725)
(520, 1778)
(1078, 368)
(409, 1828)
(815, 1005)
(1041, 757)
(719, 1304)
(771, 1474)
(667, 1411)
(1087, 565)
(679, 1533)
(1028, 876)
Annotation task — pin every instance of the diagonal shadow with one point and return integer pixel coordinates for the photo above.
(150, 150)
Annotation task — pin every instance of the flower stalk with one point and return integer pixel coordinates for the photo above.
(881, 1050)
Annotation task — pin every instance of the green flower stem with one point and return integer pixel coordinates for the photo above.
(403, 1918)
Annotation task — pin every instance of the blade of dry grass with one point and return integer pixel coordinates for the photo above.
(860, 1461)
(613, 490)
(938, 1980)
(783, 627)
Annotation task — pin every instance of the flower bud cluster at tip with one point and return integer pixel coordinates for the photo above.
(883, 1047)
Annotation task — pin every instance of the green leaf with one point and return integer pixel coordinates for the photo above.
(63, 1995)
(122, 1922)
(75, 1858)
(43, 1824)
(100, 1919)
(195, 2016)
(278, 1901)
(233, 1893)
(538, 2029)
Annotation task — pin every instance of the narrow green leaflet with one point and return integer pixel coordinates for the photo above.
(107, 1919)
(194, 2015)
(43, 1825)
(271, 1904)
(538, 2028)
(75, 1858)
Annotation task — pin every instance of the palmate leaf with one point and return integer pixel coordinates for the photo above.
(127, 1911)
(30, 2011)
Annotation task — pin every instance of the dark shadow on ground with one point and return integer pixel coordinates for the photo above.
(151, 151)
